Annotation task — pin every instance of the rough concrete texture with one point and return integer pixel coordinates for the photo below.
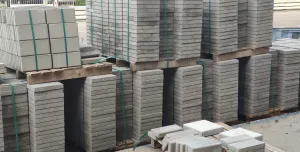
(225, 90)
(41, 131)
(220, 27)
(204, 127)
(99, 112)
(260, 23)
(147, 101)
(279, 131)
(124, 100)
(242, 23)
(256, 86)
(274, 77)
(21, 113)
(185, 104)
(162, 131)
(87, 51)
(241, 131)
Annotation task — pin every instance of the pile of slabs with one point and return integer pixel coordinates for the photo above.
(288, 78)
(257, 86)
(260, 23)
(166, 29)
(225, 90)
(207, 88)
(242, 143)
(147, 101)
(46, 113)
(2, 68)
(204, 128)
(273, 79)
(220, 26)
(241, 131)
(187, 95)
(161, 132)
(99, 113)
(89, 55)
(18, 99)
(116, 27)
(188, 28)
(194, 144)
(124, 101)
(242, 23)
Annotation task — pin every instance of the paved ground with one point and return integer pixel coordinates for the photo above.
(282, 131)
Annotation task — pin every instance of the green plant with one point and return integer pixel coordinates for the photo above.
(80, 3)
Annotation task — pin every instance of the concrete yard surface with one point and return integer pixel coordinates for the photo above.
(282, 131)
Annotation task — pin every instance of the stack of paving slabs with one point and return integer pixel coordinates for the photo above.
(188, 28)
(288, 78)
(115, 27)
(63, 34)
(46, 115)
(195, 144)
(220, 26)
(17, 39)
(99, 113)
(207, 88)
(147, 101)
(89, 55)
(260, 23)
(187, 94)
(273, 80)
(159, 133)
(97, 25)
(124, 100)
(239, 132)
(21, 113)
(242, 23)
(144, 26)
(257, 86)
(242, 143)
(166, 29)
(225, 90)
(170, 138)
(204, 127)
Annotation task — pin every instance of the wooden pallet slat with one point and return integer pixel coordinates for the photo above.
(52, 75)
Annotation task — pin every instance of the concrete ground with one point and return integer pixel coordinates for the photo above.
(282, 131)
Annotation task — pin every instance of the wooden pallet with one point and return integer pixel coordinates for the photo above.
(269, 148)
(162, 64)
(53, 75)
(129, 144)
(245, 52)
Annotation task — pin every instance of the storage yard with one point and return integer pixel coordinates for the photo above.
(157, 76)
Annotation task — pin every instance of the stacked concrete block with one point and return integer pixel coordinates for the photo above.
(166, 29)
(260, 23)
(124, 101)
(220, 26)
(288, 78)
(99, 113)
(187, 95)
(161, 132)
(21, 113)
(204, 127)
(225, 90)
(239, 132)
(46, 115)
(116, 28)
(257, 86)
(2, 68)
(97, 25)
(188, 28)
(17, 45)
(144, 26)
(242, 23)
(274, 77)
(87, 51)
(207, 88)
(242, 143)
(63, 34)
(147, 101)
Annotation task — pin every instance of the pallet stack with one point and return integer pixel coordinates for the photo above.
(242, 23)
(124, 101)
(15, 96)
(99, 113)
(257, 86)
(147, 101)
(42, 45)
(274, 76)
(225, 90)
(46, 113)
